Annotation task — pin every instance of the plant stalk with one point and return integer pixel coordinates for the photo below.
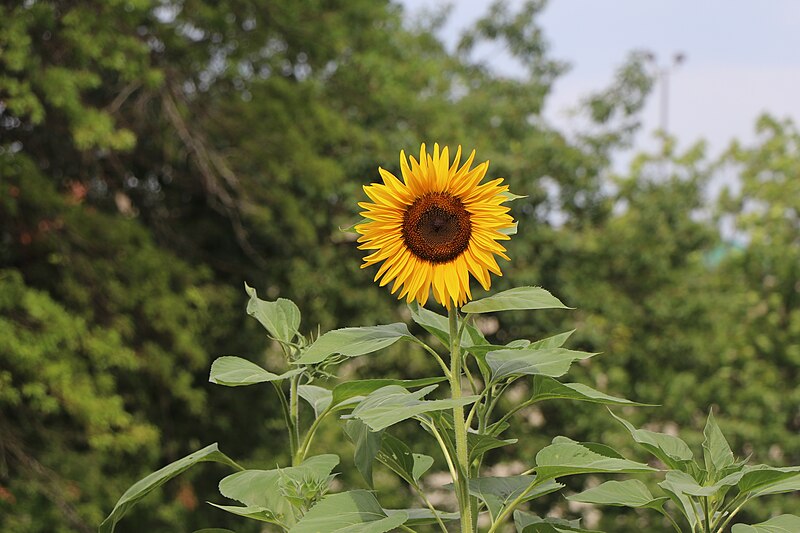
(459, 426)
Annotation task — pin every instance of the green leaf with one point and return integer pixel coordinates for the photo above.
(716, 451)
(510, 196)
(547, 388)
(480, 444)
(556, 341)
(367, 444)
(628, 493)
(235, 372)
(254, 513)
(439, 326)
(352, 342)
(785, 523)
(214, 530)
(344, 392)
(671, 450)
(318, 397)
(144, 486)
(791, 484)
(553, 362)
(421, 517)
(355, 511)
(681, 482)
(515, 299)
(530, 523)
(392, 404)
(395, 454)
(764, 479)
(565, 458)
(280, 318)
(497, 492)
(511, 230)
(261, 490)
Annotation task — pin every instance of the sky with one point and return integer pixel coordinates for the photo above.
(742, 58)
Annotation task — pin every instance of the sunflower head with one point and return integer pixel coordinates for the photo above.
(436, 227)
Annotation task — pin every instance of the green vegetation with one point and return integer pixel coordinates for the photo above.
(156, 154)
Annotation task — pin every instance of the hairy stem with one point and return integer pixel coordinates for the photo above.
(459, 426)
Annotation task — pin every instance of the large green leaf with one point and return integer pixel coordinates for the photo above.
(547, 388)
(318, 397)
(235, 372)
(791, 484)
(530, 523)
(355, 511)
(144, 486)
(280, 318)
(392, 404)
(515, 299)
(399, 457)
(785, 523)
(565, 457)
(671, 450)
(553, 362)
(764, 479)
(352, 342)
(628, 493)
(213, 530)
(716, 451)
(344, 392)
(497, 492)
(262, 490)
(367, 444)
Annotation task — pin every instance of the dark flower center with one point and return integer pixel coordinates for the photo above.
(436, 227)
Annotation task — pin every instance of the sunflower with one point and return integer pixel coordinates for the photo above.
(436, 227)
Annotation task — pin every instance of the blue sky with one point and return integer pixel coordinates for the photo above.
(743, 58)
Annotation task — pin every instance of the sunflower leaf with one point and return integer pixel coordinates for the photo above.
(530, 523)
(565, 458)
(352, 342)
(627, 493)
(356, 511)
(547, 388)
(280, 318)
(553, 362)
(785, 523)
(344, 394)
(519, 298)
(233, 371)
(392, 404)
(144, 486)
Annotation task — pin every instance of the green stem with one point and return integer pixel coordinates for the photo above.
(287, 418)
(302, 451)
(433, 509)
(706, 518)
(294, 406)
(436, 356)
(672, 521)
(443, 446)
(460, 428)
(730, 516)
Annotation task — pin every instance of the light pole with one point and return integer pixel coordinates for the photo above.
(663, 72)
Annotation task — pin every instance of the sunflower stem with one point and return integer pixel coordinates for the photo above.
(459, 426)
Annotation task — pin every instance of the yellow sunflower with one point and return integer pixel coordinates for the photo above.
(436, 227)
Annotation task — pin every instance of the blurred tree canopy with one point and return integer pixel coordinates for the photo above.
(155, 154)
